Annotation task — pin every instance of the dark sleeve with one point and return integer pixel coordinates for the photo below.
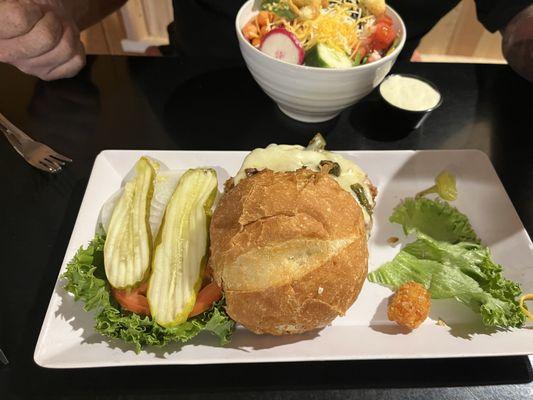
(420, 16)
(495, 14)
(417, 26)
(205, 29)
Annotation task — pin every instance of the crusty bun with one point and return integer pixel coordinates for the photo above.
(289, 250)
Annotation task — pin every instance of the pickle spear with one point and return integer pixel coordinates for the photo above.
(181, 247)
(128, 245)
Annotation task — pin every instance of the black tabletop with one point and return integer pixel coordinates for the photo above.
(141, 103)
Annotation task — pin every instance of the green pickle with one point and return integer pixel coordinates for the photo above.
(181, 248)
(128, 245)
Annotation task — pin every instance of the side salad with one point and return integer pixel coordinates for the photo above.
(448, 260)
(323, 33)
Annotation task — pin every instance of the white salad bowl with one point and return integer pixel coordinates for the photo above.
(312, 94)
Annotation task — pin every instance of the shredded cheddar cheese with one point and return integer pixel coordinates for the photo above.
(340, 26)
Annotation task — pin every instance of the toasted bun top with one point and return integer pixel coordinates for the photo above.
(274, 228)
(283, 157)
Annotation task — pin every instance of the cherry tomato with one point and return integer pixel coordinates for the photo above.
(385, 19)
(383, 37)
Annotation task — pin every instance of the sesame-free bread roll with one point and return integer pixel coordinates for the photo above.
(289, 250)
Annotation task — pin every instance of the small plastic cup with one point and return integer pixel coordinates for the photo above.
(405, 120)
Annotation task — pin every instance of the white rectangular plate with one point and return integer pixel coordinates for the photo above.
(68, 340)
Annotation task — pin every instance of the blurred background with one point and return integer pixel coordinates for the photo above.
(458, 37)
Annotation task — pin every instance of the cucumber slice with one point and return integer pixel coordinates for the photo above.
(321, 55)
(128, 242)
(181, 247)
(357, 59)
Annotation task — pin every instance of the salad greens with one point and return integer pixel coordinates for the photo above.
(449, 261)
(85, 277)
(278, 7)
(434, 218)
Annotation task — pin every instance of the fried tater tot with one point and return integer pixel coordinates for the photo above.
(410, 305)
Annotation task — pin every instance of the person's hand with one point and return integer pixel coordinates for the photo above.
(40, 38)
(517, 44)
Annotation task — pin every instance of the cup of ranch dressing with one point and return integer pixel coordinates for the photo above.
(409, 100)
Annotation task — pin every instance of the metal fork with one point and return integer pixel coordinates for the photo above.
(3, 358)
(35, 153)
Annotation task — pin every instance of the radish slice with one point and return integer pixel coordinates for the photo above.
(374, 56)
(283, 45)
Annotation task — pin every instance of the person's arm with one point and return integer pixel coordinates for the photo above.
(517, 44)
(514, 19)
(42, 37)
(88, 12)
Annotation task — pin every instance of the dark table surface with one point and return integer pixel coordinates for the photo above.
(141, 103)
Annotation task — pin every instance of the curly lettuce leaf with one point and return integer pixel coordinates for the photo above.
(85, 279)
(470, 259)
(434, 218)
(462, 271)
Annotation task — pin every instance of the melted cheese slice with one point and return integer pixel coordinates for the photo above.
(283, 157)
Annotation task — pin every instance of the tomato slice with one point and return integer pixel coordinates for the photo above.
(133, 300)
(385, 19)
(205, 299)
(383, 36)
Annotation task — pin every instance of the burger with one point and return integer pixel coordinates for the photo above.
(286, 248)
(289, 238)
